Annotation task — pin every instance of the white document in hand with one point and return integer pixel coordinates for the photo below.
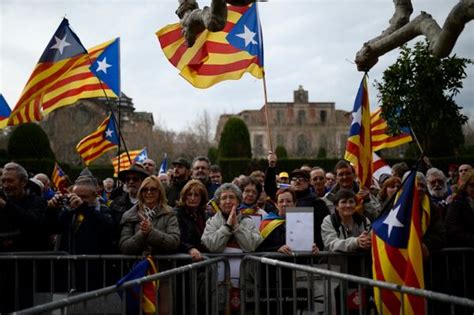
(299, 228)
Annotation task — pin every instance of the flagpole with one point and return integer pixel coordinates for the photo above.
(269, 133)
(416, 141)
(107, 101)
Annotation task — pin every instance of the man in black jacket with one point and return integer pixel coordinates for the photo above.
(299, 180)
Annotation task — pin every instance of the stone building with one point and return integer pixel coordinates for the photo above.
(68, 125)
(304, 128)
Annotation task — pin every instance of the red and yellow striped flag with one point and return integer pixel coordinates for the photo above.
(60, 78)
(396, 249)
(59, 179)
(359, 146)
(103, 139)
(380, 137)
(217, 56)
(125, 163)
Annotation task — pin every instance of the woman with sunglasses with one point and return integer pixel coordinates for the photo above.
(150, 226)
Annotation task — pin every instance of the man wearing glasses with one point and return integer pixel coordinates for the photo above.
(299, 181)
(345, 178)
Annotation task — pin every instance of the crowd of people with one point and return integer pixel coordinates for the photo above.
(190, 210)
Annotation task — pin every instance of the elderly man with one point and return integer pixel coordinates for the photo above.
(299, 180)
(200, 171)
(48, 192)
(318, 181)
(179, 178)
(438, 189)
(84, 223)
(345, 178)
(21, 213)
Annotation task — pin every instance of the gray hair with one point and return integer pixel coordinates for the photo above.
(20, 170)
(201, 158)
(228, 187)
(436, 172)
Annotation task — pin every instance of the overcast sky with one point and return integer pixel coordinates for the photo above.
(310, 43)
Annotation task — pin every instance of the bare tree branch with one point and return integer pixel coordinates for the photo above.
(401, 30)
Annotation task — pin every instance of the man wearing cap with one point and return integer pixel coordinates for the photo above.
(299, 180)
(132, 179)
(179, 178)
(284, 178)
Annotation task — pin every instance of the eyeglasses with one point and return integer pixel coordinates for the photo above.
(299, 179)
(344, 174)
(436, 181)
(149, 189)
(318, 178)
(132, 178)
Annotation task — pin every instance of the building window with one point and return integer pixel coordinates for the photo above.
(301, 117)
(246, 118)
(279, 117)
(258, 145)
(323, 115)
(302, 147)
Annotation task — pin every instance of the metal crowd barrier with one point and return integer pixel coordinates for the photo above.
(289, 304)
(84, 298)
(28, 279)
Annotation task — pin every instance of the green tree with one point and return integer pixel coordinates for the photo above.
(418, 90)
(281, 152)
(212, 154)
(322, 153)
(29, 141)
(235, 140)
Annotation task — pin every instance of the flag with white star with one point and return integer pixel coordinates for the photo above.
(5, 112)
(397, 257)
(164, 164)
(124, 161)
(359, 143)
(103, 139)
(218, 56)
(107, 66)
(61, 78)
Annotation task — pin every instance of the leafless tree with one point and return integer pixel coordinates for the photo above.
(401, 30)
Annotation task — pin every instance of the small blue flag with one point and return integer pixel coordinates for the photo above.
(164, 165)
(4, 108)
(107, 66)
(110, 133)
(142, 156)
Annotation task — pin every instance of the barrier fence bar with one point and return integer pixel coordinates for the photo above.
(361, 281)
(84, 297)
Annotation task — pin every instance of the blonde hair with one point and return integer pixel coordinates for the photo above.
(465, 179)
(162, 200)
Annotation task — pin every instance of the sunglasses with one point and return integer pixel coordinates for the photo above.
(149, 189)
(299, 179)
(133, 179)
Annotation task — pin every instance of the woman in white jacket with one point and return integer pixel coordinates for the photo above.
(227, 228)
(345, 230)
